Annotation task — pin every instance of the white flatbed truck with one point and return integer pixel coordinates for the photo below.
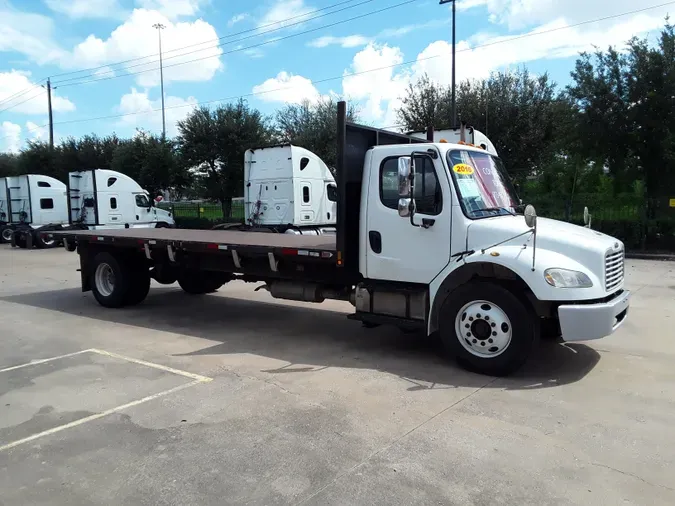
(427, 237)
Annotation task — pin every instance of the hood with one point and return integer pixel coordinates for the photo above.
(584, 245)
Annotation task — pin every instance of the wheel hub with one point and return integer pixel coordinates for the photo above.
(105, 279)
(483, 329)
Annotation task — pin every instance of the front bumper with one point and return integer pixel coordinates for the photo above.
(584, 322)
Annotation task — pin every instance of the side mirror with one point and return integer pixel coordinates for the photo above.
(530, 216)
(587, 218)
(406, 173)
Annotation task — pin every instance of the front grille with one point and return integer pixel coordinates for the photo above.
(613, 269)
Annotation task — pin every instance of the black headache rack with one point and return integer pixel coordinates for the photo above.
(353, 141)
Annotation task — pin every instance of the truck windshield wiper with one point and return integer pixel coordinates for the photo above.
(495, 209)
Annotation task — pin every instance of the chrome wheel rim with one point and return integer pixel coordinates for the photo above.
(105, 279)
(7, 234)
(483, 329)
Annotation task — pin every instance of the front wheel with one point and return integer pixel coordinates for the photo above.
(487, 328)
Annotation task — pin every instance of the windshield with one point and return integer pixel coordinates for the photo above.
(483, 185)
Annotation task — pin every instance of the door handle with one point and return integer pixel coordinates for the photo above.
(375, 239)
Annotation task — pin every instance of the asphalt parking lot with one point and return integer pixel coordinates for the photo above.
(236, 398)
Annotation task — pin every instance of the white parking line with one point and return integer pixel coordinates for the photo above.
(44, 360)
(197, 378)
(97, 416)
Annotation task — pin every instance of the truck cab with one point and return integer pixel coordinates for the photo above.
(104, 198)
(446, 218)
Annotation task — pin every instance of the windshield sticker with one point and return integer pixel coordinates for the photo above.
(462, 168)
(468, 188)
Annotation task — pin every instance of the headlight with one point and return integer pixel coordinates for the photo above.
(564, 278)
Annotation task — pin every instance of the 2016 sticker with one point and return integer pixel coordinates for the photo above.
(462, 168)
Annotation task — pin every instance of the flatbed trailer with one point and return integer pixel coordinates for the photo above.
(427, 237)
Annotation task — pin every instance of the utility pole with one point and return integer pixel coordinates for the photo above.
(454, 102)
(160, 27)
(51, 118)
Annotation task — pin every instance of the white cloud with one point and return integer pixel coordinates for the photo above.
(33, 101)
(287, 88)
(78, 9)
(347, 41)
(136, 38)
(28, 34)
(238, 18)
(379, 91)
(517, 14)
(38, 132)
(176, 108)
(283, 10)
(173, 8)
(386, 34)
(10, 137)
(465, 5)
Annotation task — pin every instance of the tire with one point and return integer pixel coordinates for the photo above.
(42, 243)
(161, 224)
(139, 286)
(487, 329)
(111, 280)
(20, 240)
(199, 282)
(5, 234)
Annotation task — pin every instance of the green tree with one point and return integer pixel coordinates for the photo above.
(313, 126)
(212, 143)
(518, 111)
(626, 112)
(38, 158)
(9, 164)
(152, 162)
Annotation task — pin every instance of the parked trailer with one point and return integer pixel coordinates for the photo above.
(426, 238)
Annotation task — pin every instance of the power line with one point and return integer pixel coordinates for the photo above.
(22, 102)
(352, 74)
(236, 50)
(256, 29)
(21, 93)
(207, 48)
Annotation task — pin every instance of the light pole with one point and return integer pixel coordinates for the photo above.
(160, 27)
(454, 103)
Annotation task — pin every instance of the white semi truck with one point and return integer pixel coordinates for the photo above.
(287, 189)
(93, 199)
(427, 237)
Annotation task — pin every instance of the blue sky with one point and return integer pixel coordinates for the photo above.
(101, 55)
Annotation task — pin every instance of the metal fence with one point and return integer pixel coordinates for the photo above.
(206, 210)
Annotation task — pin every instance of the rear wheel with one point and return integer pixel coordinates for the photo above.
(42, 242)
(199, 282)
(111, 280)
(5, 234)
(20, 240)
(487, 328)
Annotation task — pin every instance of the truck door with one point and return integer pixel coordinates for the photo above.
(145, 213)
(396, 249)
(114, 211)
